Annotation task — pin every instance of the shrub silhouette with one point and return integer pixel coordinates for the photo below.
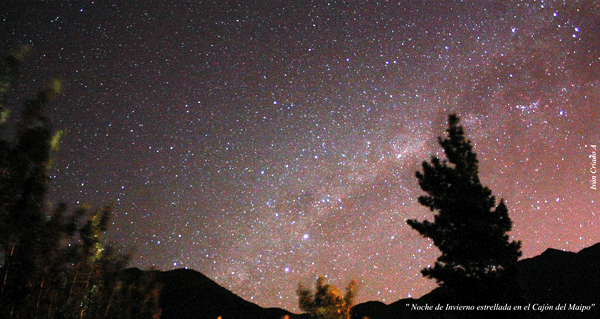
(327, 301)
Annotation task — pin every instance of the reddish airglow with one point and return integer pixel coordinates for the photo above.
(264, 144)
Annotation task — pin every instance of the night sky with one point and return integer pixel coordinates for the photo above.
(263, 143)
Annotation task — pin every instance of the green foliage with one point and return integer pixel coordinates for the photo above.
(23, 185)
(327, 302)
(55, 263)
(469, 228)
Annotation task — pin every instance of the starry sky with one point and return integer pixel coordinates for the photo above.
(264, 143)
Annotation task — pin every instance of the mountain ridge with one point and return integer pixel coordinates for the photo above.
(554, 277)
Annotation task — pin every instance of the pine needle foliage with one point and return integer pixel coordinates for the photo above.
(469, 227)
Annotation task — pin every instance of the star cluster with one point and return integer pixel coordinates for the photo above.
(264, 143)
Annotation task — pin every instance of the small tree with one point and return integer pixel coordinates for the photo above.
(327, 302)
(469, 228)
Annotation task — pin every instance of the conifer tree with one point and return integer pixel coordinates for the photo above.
(478, 259)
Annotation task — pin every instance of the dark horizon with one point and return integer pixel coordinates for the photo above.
(557, 283)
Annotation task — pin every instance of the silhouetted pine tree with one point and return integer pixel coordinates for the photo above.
(478, 260)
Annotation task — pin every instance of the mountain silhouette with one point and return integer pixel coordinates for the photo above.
(553, 279)
(188, 294)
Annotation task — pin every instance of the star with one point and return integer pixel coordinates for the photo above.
(246, 140)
